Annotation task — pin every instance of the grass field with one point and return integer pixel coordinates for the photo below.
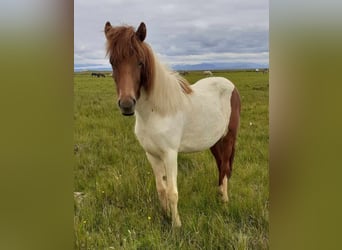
(117, 206)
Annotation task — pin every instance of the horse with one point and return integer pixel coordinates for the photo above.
(172, 116)
(98, 74)
(208, 73)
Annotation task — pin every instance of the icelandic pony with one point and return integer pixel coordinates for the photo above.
(171, 115)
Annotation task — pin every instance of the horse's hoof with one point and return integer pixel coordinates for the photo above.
(225, 199)
(176, 224)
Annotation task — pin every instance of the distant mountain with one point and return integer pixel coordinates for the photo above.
(219, 66)
(91, 67)
(201, 66)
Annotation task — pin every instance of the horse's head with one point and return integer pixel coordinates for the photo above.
(132, 63)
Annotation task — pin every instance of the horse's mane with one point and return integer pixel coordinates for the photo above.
(122, 42)
(184, 84)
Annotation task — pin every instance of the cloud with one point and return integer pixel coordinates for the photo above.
(178, 30)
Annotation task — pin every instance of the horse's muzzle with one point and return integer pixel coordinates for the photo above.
(127, 107)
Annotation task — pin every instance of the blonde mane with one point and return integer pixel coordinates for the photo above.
(170, 90)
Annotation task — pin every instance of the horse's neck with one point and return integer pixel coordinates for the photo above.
(166, 96)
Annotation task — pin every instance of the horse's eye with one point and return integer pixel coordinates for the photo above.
(112, 62)
(140, 64)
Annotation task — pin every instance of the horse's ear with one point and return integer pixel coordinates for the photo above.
(141, 32)
(107, 28)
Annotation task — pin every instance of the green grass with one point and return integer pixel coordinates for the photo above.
(119, 208)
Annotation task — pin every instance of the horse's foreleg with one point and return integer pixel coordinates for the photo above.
(160, 175)
(170, 161)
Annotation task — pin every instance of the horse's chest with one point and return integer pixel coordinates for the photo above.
(148, 140)
(158, 136)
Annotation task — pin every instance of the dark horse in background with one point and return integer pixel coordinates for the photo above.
(98, 74)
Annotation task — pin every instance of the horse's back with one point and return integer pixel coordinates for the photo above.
(214, 84)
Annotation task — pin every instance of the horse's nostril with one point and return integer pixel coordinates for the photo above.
(127, 103)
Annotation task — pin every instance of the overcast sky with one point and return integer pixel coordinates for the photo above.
(179, 31)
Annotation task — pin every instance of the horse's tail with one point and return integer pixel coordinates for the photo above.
(231, 160)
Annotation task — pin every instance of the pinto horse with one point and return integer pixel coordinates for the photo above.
(172, 116)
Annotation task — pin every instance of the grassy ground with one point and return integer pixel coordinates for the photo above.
(117, 206)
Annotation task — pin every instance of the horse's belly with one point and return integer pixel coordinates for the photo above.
(202, 136)
(198, 145)
(203, 129)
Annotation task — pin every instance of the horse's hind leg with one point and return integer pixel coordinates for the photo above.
(228, 151)
(228, 144)
(224, 149)
(218, 151)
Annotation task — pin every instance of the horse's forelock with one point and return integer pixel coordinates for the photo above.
(120, 42)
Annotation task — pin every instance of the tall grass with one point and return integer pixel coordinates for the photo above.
(117, 205)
